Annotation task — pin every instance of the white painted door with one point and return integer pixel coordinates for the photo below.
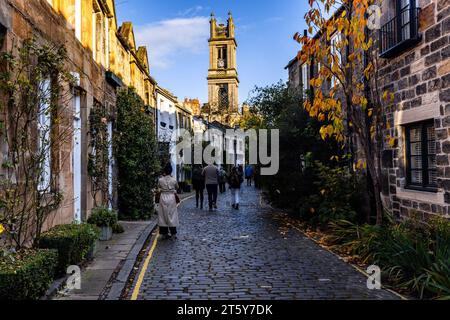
(110, 163)
(76, 161)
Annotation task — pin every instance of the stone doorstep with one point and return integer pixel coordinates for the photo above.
(97, 273)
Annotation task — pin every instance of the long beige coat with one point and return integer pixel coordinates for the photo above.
(167, 208)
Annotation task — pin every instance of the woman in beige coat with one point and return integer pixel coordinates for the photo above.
(167, 208)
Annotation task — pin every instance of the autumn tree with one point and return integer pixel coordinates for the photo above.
(344, 49)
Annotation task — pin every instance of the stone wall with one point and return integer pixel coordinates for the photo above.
(419, 78)
(26, 19)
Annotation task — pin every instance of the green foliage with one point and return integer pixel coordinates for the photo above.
(117, 228)
(136, 151)
(336, 197)
(99, 157)
(27, 274)
(414, 255)
(37, 75)
(279, 107)
(73, 242)
(103, 217)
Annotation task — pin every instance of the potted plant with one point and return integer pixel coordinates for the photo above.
(106, 220)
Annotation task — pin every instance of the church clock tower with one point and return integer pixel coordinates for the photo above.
(223, 81)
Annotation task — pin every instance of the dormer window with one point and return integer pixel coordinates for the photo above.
(402, 31)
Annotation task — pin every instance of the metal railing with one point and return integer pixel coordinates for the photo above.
(399, 31)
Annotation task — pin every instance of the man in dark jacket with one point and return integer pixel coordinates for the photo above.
(222, 180)
(235, 181)
(198, 182)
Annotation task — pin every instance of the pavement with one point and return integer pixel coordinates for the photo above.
(111, 258)
(245, 255)
(106, 276)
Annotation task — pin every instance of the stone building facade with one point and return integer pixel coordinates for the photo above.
(413, 45)
(415, 67)
(103, 57)
(223, 81)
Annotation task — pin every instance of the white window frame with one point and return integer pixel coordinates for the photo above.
(44, 127)
(76, 159)
(305, 77)
(335, 39)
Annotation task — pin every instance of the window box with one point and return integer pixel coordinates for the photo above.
(402, 31)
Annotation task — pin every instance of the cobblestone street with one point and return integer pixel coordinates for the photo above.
(242, 254)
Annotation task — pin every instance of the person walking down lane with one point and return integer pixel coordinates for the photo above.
(198, 181)
(249, 173)
(222, 180)
(235, 182)
(240, 170)
(167, 208)
(211, 174)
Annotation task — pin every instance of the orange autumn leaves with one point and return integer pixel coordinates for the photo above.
(339, 50)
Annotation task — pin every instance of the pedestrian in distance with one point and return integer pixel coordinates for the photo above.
(235, 183)
(241, 174)
(249, 174)
(198, 182)
(240, 170)
(211, 175)
(222, 180)
(168, 201)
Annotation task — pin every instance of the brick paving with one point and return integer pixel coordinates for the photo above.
(243, 255)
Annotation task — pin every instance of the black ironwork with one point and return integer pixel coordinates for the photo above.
(401, 32)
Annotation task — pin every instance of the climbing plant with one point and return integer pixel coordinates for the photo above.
(136, 153)
(34, 104)
(98, 163)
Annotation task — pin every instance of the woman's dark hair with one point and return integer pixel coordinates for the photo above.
(168, 169)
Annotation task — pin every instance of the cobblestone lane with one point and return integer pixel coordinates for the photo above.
(242, 255)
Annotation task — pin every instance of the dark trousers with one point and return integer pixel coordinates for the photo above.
(222, 187)
(249, 181)
(199, 195)
(212, 194)
(165, 231)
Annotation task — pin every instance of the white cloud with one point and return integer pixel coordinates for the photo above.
(167, 40)
(191, 11)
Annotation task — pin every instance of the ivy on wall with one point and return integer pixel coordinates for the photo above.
(35, 85)
(136, 153)
(98, 162)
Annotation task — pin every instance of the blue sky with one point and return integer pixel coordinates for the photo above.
(176, 34)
